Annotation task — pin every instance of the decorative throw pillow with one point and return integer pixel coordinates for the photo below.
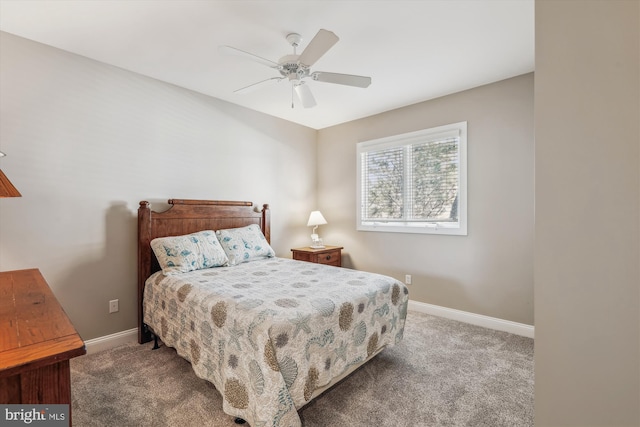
(244, 244)
(179, 254)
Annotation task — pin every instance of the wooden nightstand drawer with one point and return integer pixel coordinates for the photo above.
(329, 255)
(331, 258)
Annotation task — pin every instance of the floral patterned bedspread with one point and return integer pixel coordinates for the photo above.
(269, 332)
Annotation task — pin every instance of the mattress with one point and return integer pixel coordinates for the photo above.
(270, 333)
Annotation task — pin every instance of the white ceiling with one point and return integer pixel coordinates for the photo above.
(413, 50)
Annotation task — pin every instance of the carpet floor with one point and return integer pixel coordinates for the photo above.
(444, 373)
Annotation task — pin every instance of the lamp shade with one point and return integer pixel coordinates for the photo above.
(6, 187)
(316, 218)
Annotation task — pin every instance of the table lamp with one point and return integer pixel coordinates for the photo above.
(316, 219)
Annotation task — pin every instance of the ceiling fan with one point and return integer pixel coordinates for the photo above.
(296, 68)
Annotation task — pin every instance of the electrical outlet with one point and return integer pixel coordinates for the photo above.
(113, 306)
(407, 279)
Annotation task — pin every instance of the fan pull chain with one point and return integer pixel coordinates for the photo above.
(291, 96)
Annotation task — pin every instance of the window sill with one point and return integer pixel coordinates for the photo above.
(428, 228)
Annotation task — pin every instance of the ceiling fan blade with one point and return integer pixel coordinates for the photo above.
(305, 95)
(318, 46)
(341, 79)
(237, 52)
(257, 85)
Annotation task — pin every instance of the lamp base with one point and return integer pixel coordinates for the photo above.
(316, 242)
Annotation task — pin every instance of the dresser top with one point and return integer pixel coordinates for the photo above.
(34, 329)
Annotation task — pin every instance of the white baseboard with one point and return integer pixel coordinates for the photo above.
(131, 335)
(474, 319)
(110, 341)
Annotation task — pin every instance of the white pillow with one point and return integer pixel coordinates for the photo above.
(179, 254)
(244, 244)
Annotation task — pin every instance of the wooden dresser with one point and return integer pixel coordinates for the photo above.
(330, 255)
(36, 342)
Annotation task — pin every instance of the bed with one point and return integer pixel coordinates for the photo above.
(269, 333)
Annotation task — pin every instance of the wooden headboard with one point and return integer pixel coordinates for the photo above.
(185, 217)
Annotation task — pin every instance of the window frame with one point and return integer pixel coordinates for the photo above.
(458, 129)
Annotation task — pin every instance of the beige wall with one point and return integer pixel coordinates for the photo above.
(587, 253)
(488, 272)
(86, 142)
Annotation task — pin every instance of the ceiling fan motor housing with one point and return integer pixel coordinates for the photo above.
(290, 68)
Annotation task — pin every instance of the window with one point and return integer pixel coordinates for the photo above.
(414, 182)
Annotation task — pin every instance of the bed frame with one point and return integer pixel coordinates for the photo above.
(190, 216)
(185, 217)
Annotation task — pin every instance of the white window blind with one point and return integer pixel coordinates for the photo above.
(414, 182)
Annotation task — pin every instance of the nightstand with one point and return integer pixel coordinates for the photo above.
(329, 255)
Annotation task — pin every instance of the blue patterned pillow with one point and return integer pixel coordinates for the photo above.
(179, 254)
(244, 244)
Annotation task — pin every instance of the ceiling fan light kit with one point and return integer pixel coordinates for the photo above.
(296, 68)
